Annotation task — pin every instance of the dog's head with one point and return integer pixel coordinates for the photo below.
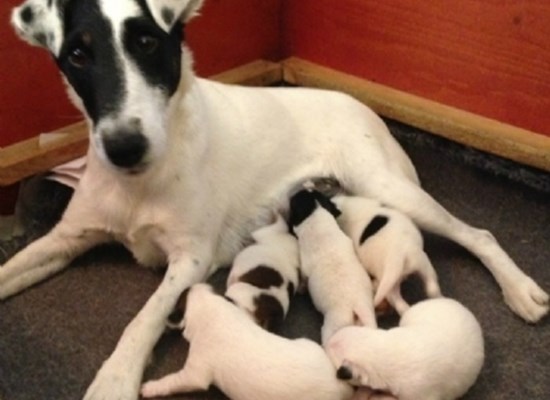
(122, 62)
(305, 202)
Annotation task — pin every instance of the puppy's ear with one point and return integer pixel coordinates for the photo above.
(302, 205)
(167, 12)
(327, 204)
(39, 23)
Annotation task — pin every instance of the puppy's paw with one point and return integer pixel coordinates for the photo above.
(527, 299)
(151, 389)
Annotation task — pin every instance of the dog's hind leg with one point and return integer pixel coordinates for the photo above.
(521, 293)
(46, 256)
(120, 376)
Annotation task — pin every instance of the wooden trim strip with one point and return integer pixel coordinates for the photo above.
(460, 126)
(29, 157)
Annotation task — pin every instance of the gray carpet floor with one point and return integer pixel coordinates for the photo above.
(54, 337)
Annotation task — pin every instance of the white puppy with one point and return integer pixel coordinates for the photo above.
(389, 246)
(436, 353)
(245, 361)
(337, 282)
(265, 275)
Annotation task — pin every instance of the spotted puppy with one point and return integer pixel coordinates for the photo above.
(265, 276)
(436, 353)
(227, 349)
(389, 245)
(337, 282)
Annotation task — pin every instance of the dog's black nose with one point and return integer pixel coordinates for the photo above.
(125, 148)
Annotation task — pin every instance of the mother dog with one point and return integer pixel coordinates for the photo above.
(182, 169)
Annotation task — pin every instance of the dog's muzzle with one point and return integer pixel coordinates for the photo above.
(125, 148)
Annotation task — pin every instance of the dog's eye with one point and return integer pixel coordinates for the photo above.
(147, 44)
(78, 58)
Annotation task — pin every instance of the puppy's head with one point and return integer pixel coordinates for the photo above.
(122, 62)
(305, 202)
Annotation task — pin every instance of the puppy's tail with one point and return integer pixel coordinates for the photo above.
(392, 274)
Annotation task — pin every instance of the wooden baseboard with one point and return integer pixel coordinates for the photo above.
(31, 157)
(482, 133)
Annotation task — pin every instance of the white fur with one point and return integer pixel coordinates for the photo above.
(231, 155)
(339, 286)
(436, 353)
(246, 362)
(275, 247)
(392, 254)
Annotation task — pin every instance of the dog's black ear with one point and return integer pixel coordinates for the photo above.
(302, 205)
(39, 23)
(179, 310)
(327, 204)
(269, 313)
(167, 12)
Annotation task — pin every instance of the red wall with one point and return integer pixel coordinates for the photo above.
(488, 57)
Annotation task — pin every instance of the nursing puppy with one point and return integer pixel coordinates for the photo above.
(436, 353)
(389, 246)
(246, 362)
(265, 276)
(337, 282)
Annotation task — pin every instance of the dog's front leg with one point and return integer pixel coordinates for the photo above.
(120, 376)
(46, 256)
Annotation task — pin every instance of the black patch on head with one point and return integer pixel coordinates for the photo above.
(262, 277)
(344, 373)
(167, 15)
(97, 77)
(373, 227)
(27, 14)
(161, 67)
(269, 313)
(181, 306)
(304, 203)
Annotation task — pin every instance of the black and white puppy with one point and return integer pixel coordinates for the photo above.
(182, 169)
(389, 246)
(436, 353)
(337, 282)
(265, 275)
(227, 349)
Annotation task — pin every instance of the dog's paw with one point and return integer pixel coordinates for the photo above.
(527, 299)
(115, 382)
